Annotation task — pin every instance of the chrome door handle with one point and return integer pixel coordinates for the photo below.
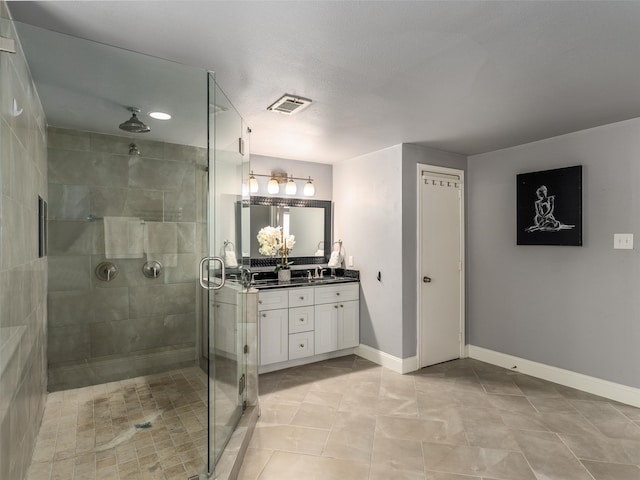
(426, 279)
(222, 273)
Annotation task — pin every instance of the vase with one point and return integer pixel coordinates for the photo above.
(284, 275)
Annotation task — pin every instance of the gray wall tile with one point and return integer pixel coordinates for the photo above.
(179, 329)
(127, 202)
(68, 202)
(75, 237)
(131, 314)
(69, 273)
(69, 342)
(66, 139)
(160, 174)
(126, 336)
(162, 299)
(120, 145)
(87, 168)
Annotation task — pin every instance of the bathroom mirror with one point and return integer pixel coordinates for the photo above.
(308, 220)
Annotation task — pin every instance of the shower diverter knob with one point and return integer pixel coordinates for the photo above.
(152, 269)
(106, 271)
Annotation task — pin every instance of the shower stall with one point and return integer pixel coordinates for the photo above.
(147, 308)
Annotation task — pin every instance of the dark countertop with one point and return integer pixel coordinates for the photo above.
(301, 282)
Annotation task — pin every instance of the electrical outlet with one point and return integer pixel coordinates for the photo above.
(623, 241)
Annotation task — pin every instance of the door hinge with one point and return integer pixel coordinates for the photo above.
(241, 384)
(241, 146)
(246, 349)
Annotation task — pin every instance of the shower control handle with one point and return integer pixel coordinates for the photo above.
(106, 271)
(152, 269)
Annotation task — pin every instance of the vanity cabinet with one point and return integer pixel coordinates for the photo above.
(301, 322)
(273, 326)
(337, 313)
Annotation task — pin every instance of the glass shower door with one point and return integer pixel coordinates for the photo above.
(228, 160)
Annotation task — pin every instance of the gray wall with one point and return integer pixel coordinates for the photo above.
(23, 277)
(376, 217)
(412, 155)
(133, 325)
(368, 218)
(575, 308)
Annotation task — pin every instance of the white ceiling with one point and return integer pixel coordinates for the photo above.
(466, 77)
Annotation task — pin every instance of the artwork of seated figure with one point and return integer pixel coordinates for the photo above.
(544, 220)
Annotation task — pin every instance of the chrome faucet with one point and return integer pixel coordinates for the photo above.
(317, 275)
(309, 277)
(253, 278)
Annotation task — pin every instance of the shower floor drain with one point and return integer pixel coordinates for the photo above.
(143, 425)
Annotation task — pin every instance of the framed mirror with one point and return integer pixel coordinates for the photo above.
(308, 220)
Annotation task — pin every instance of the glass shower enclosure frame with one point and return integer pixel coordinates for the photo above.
(223, 269)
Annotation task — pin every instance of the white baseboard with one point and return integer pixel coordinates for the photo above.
(604, 388)
(400, 365)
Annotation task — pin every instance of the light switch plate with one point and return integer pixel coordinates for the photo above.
(623, 241)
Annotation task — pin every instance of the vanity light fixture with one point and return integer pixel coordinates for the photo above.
(273, 186)
(309, 188)
(253, 183)
(275, 179)
(291, 187)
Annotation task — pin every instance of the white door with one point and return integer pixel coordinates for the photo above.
(441, 276)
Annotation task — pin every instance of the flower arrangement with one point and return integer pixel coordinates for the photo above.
(273, 242)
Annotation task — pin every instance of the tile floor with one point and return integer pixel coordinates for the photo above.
(349, 419)
(90, 433)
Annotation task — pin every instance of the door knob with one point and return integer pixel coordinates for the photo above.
(426, 279)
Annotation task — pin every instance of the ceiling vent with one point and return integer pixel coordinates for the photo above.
(289, 104)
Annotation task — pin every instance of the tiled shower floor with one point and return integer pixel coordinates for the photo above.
(90, 433)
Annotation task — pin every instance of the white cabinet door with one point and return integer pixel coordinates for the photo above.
(326, 331)
(348, 324)
(274, 336)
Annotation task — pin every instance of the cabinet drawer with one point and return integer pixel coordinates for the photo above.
(337, 293)
(271, 300)
(300, 345)
(300, 319)
(300, 297)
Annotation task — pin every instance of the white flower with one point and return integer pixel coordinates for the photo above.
(273, 243)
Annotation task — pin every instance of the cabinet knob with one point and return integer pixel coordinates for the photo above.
(301, 298)
(335, 306)
(302, 320)
(338, 293)
(264, 314)
(341, 306)
(301, 345)
(260, 301)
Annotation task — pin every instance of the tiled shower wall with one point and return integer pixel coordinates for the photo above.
(23, 276)
(132, 325)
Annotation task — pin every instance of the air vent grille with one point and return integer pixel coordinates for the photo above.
(289, 104)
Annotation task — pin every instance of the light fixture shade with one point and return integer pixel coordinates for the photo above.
(273, 186)
(253, 184)
(291, 187)
(309, 188)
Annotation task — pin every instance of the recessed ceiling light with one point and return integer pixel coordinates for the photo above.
(160, 115)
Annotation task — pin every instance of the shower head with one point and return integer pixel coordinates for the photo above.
(134, 124)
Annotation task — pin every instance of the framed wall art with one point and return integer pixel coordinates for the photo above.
(549, 207)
